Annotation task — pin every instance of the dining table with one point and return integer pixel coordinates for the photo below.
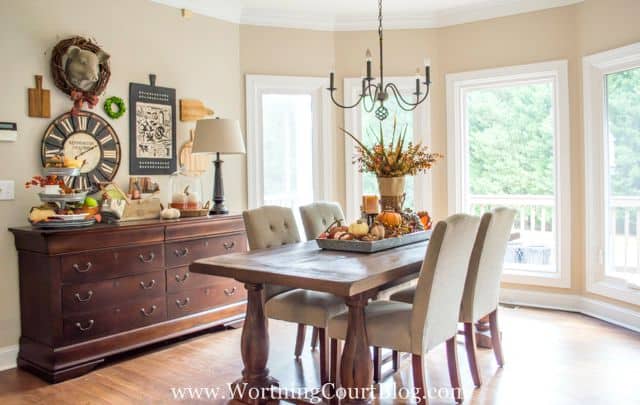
(356, 277)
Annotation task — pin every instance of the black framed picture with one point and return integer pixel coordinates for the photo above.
(152, 129)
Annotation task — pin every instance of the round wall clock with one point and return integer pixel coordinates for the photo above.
(88, 137)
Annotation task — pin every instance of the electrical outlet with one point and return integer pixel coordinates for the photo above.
(7, 190)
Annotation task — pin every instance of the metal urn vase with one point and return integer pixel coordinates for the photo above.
(392, 193)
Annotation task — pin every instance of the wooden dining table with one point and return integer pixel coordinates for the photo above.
(357, 277)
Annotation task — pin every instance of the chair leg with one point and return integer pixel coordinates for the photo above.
(333, 377)
(496, 340)
(300, 339)
(314, 338)
(418, 379)
(322, 338)
(395, 360)
(470, 345)
(377, 367)
(454, 372)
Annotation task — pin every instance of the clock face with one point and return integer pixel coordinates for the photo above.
(87, 137)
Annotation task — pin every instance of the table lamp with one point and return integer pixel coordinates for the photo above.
(219, 136)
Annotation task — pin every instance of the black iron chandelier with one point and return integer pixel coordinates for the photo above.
(373, 93)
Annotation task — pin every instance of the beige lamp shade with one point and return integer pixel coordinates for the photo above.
(218, 136)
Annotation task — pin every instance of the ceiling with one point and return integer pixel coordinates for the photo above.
(350, 15)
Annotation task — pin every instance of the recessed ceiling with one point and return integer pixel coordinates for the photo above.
(350, 15)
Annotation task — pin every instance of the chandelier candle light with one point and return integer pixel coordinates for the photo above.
(379, 93)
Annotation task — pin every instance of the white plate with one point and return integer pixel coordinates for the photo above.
(65, 218)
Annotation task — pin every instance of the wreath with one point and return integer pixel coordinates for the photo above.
(79, 96)
(119, 103)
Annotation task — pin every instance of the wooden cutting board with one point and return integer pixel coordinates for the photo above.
(39, 100)
(193, 165)
(193, 110)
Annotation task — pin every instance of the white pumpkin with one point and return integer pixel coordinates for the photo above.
(170, 213)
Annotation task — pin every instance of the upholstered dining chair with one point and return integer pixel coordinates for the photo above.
(271, 227)
(316, 218)
(482, 287)
(432, 319)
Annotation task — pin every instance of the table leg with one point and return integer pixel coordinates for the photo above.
(356, 368)
(254, 386)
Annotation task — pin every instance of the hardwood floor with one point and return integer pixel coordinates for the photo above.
(550, 358)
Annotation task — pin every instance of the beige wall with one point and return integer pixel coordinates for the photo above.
(198, 57)
(207, 59)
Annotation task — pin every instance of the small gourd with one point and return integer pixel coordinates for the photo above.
(170, 213)
(359, 228)
(390, 218)
(377, 230)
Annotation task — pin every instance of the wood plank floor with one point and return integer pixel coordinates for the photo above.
(551, 358)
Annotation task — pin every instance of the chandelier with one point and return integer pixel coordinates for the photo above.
(373, 93)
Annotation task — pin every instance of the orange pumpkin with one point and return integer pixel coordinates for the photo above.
(425, 218)
(390, 218)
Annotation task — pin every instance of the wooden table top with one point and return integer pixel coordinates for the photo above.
(304, 265)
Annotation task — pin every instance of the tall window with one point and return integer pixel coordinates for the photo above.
(612, 147)
(287, 142)
(366, 127)
(506, 149)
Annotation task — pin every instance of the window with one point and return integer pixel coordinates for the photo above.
(508, 146)
(612, 147)
(365, 126)
(287, 146)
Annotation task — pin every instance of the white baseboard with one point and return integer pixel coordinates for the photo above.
(611, 313)
(8, 356)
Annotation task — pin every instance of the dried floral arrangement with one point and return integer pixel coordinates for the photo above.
(393, 159)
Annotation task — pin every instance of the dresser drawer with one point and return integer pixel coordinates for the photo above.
(185, 252)
(180, 279)
(110, 293)
(104, 264)
(128, 316)
(204, 298)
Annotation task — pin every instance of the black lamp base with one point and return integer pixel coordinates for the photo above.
(218, 189)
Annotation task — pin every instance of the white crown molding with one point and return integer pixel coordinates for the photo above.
(234, 12)
(8, 357)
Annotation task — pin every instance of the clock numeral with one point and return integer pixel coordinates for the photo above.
(68, 181)
(56, 137)
(105, 139)
(95, 178)
(52, 152)
(67, 126)
(82, 123)
(109, 154)
(106, 167)
(83, 183)
(95, 128)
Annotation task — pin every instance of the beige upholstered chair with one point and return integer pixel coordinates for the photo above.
(482, 286)
(269, 227)
(433, 317)
(316, 218)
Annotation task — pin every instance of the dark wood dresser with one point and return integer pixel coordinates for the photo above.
(91, 293)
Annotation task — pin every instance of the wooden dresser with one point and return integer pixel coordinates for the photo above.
(91, 293)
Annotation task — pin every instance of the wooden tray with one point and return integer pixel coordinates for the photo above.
(374, 246)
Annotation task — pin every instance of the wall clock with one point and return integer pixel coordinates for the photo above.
(84, 136)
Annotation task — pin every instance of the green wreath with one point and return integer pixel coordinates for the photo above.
(108, 107)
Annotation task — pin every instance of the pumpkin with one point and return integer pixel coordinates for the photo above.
(170, 213)
(377, 230)
(333, 231)
(359, 228)
(390, 218)
(425, 218)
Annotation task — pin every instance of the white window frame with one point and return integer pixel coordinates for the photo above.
(457, 86)
(594, 69)
(353, 124)
(323, 175)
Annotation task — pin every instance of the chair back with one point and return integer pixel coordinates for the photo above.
(482, 288)
(270, 227)
(318, 216)
(436, 304)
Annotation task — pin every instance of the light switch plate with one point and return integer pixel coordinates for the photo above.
(7, 190)
(8, 131)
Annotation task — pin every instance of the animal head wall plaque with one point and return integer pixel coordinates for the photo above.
(80, 68)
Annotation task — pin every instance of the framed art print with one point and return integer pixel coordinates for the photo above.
(152, 129)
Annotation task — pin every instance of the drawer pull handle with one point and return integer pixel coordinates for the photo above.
(229, 291)
(86, 268)
(183, 303)
(148, 259)
(148, 314)
(182, 252)
(85, 299)
(85, 328)
(229, 245)
(147, 286)
(183, 278)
